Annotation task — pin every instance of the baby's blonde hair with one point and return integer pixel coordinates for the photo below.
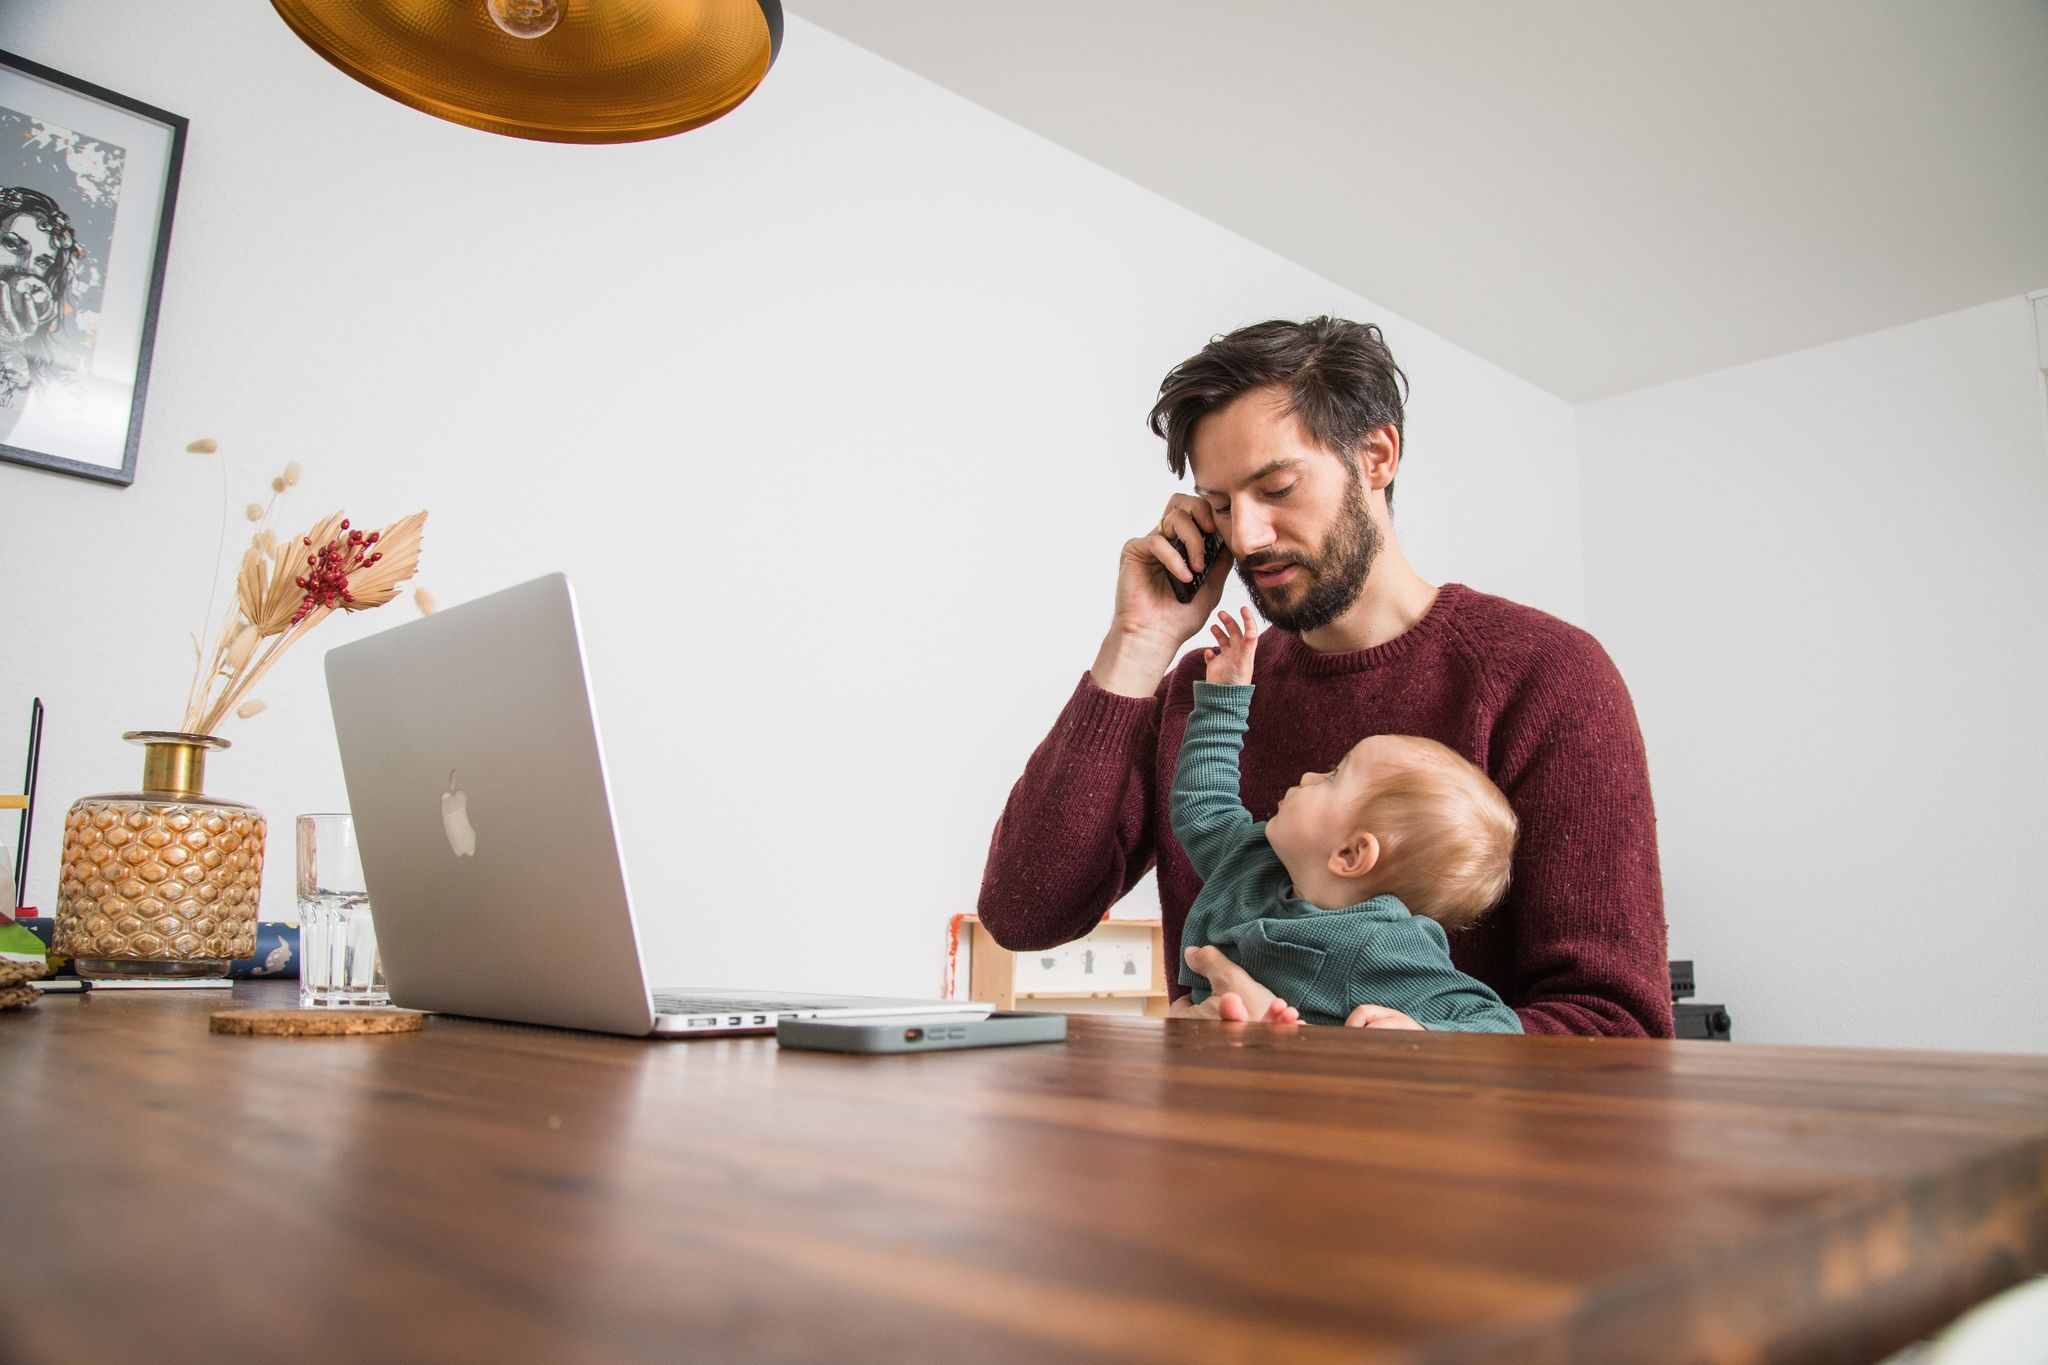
(1447, 835)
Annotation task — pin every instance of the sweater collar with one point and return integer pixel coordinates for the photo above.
(1435, 623)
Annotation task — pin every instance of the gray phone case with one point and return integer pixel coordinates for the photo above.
(920, 1035)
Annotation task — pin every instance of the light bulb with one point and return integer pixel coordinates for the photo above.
(525, 18)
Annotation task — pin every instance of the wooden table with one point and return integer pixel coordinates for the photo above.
(1149, 1191)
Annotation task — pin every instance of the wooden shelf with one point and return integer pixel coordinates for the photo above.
(1013, 980)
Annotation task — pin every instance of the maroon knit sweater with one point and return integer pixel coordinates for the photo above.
(1578, 944)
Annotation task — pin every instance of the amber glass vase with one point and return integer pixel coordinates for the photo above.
(164, 881)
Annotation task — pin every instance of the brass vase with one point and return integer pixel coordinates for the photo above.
(161, 882)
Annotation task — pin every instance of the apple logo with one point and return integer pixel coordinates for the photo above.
(455, 819)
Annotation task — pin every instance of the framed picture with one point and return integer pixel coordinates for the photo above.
(88, 179)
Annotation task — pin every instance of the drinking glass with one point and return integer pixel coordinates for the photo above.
(338, 962)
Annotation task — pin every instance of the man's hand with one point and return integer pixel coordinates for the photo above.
(1231, 660)
(1150, 624)
(1378, 1016)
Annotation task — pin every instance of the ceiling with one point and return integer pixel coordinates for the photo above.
(1596, 195)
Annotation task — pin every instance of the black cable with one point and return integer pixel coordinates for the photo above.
(28, 812)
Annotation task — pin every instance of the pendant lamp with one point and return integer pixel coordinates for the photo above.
(551, 70)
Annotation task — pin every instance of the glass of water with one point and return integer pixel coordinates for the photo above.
(338, 963)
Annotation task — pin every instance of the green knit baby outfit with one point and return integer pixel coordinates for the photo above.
(1323, 962)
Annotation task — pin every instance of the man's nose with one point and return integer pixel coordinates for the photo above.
(1251, 531)
(1311, 779)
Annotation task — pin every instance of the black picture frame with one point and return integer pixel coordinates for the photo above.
(88, 187)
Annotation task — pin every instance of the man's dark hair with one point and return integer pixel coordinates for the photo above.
(1341, 381)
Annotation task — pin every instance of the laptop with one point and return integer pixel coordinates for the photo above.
(484, 819)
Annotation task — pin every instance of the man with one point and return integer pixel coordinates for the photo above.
(1293, 434)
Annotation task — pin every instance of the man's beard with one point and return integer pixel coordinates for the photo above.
(1337, 574)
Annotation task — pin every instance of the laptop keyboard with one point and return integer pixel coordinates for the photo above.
(690, 1004)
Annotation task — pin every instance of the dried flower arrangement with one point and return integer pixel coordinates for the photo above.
(285, 587)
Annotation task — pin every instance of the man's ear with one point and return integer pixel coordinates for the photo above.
(1358, 856)
(1379, 456)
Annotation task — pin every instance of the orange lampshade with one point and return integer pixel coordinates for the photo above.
(587, 71)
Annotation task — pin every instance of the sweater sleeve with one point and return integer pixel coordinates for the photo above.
(1209, 818)
(1076, 833)
(1479, 1011)
(1585, 903)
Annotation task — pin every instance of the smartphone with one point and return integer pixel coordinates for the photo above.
(920, 1033)
(1212, 545)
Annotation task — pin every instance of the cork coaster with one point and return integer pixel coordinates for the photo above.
(315, 1023)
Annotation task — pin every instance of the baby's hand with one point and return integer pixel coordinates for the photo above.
(1231, 1009)
(1231, 660)
(1235, 997)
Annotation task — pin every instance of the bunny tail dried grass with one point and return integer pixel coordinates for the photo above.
(195, 695)
(232, 695)
(283, 588)
(244, 648)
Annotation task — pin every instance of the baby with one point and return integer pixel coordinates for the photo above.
(1342, 898)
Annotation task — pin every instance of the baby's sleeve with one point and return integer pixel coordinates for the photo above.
(1209, 818)
(1473, 1009)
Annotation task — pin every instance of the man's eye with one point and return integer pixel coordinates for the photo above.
(1220, 511)
(1278, 493)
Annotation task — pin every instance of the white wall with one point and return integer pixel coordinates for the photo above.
(1822, 577)
(832, 409)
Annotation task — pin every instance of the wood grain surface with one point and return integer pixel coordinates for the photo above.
(1168, 1191)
